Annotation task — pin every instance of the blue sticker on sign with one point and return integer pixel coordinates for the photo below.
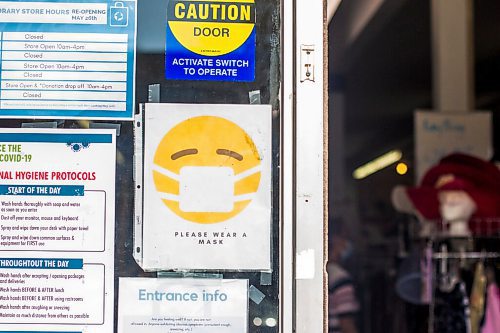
(67, 59)
(210, 40)
(118, 15)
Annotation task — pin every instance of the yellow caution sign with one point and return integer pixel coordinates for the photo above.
(211, 27)
(206, 169)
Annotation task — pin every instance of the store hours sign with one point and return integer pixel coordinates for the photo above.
(210, 40)
(67, 59)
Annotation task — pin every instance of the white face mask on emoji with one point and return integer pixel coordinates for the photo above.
(206, 189)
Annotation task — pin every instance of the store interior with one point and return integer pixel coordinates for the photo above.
(381, 66)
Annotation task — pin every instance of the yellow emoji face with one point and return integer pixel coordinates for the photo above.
(207, 169)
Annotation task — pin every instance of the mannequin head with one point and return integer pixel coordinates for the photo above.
(456, 205)
(456, 208)
(461, 190)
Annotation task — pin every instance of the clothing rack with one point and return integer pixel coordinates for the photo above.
(466, 255)
(444, 255)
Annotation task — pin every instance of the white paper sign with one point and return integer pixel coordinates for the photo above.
(440, 134)
(57, 191)
(182, 305)
(207, 187)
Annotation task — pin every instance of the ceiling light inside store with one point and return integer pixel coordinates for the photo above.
(377, 164)
(402, 169)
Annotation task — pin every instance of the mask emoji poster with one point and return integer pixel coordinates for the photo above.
(207, 187)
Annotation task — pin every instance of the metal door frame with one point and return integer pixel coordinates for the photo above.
(304, 157)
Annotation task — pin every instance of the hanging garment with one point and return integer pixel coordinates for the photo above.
(426, 267)
(451, 311)
(477, 298)
(492, 316)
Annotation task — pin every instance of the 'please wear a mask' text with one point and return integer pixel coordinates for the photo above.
(192, 234)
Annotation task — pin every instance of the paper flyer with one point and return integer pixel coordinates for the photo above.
(207, 187)
(182, 305)
(438, 134)
(57, 230)
(67, 59)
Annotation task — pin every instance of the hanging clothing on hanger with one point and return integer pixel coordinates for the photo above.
(477, 298)
(492, 316)
(426, 268)
(452, 313)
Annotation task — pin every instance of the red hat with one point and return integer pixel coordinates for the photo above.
(479, 178)
(480, 173)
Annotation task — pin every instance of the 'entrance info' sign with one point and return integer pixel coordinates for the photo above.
(67, 59)
(182, 305)
(210, 40)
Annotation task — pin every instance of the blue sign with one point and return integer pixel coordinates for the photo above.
(210, 40)
(67, 59)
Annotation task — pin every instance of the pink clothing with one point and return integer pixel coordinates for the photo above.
(492, 316)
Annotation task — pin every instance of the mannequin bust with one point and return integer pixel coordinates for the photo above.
(462, 191)
(456, 208)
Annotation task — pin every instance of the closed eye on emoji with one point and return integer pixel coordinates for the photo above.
(230, 153)
(183, 153)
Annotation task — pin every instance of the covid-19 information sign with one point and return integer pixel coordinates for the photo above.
(210, 40)
(57, 209)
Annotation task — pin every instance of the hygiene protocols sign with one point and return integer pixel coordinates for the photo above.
(207, 187)
(57, 230)
(210, 40)
(67, 59)
(167, 305)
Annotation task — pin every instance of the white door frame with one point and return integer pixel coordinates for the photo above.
(304, 167)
